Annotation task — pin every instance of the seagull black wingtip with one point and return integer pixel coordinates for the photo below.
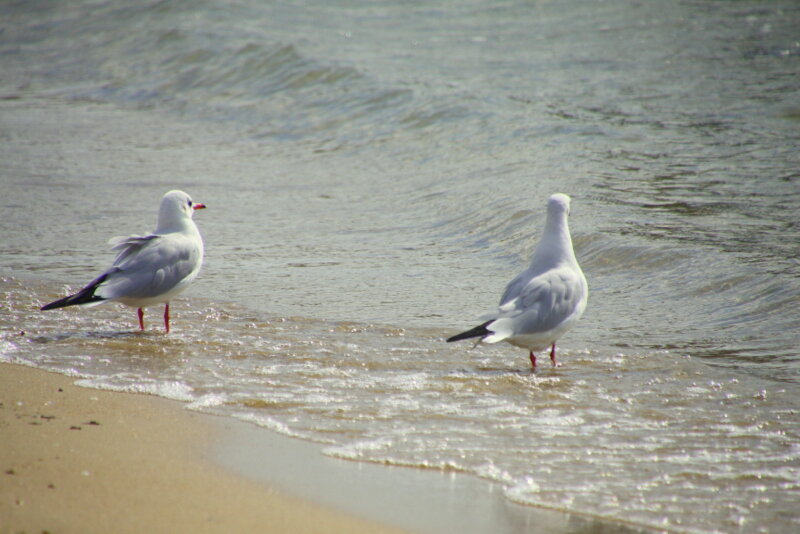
(84, 296)
(478, 331)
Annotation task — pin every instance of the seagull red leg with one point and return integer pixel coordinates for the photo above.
(140, 313)
(553, 355)
(533, 360)
(166, 317)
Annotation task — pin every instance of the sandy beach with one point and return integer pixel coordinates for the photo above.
(82, 460)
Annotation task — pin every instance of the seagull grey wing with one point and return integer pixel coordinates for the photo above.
(543, 304)
(549, 300)
(152, 266)
(517, 314)
(129, 245)
(515, 286)
(507, 301)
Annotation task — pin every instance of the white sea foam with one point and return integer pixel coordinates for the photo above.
(169, 389)
(269, 423)
(209, 400)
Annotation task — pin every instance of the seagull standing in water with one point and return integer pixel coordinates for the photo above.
(149, 269)
(545, 300)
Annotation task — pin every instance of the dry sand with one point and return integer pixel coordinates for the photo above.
(82, 460)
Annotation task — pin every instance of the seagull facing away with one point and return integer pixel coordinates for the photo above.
(149, 269)
(546, 299)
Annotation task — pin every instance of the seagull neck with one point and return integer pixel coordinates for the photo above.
(555, 246)
(174, 224)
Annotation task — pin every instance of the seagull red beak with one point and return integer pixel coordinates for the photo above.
(198, 206)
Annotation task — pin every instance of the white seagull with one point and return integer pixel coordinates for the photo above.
(545, 300)
(149, 269)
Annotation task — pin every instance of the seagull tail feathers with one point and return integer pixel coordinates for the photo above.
(84, 296)
(478, 331)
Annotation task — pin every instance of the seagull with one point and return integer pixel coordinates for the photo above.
(546, 299)
(149, 269)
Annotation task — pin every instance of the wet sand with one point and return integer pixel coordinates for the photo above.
(82, 460)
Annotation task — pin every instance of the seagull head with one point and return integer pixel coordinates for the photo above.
(558, 204)
(176, 208)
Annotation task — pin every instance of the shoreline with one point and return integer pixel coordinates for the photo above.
(76, 459)
(423, 501)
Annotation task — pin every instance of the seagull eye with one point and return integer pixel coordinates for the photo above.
(190, 203)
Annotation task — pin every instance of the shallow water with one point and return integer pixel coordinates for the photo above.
(376, 174)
